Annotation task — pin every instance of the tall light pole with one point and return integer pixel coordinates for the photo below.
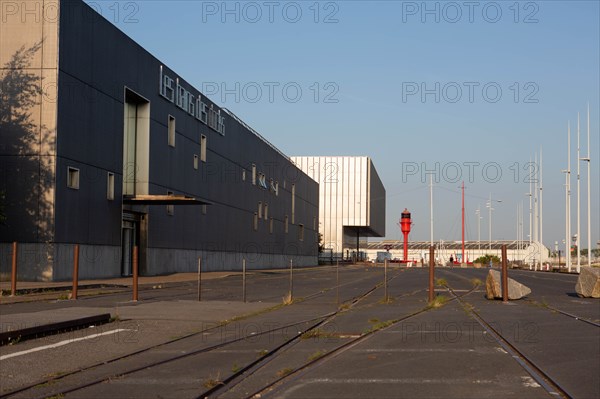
(589, 210)
(567, 173)
(530, 203)
(536, 219)
(541, 206)
(577, 246)
(489, 206)
(478, 213)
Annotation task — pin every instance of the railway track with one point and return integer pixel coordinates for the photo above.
(548, 383)
(226, 387)
(295, 374)
(313, 323)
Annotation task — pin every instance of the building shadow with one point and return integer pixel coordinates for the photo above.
(27, 162)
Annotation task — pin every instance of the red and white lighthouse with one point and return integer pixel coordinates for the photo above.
(405, 223)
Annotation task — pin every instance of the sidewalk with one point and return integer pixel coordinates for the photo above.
(118, 281)
(20, 326)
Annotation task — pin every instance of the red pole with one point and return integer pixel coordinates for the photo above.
(504, 275)
(462, 260)
(75, 271)
(405, 222)
(135, 273)
(13, 276)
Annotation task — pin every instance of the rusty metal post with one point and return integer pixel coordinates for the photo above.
(337, 281)
(13, 276)
(291, 280)
(244, 280)
(135, 273)
(385, 288)
(431, 272)
(199, 279)
(504, 275)
(75, 271)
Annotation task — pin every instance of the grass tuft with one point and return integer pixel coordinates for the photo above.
(476, 282)
(441, 282)
(284, 372)
(437, 302)
(318, 354)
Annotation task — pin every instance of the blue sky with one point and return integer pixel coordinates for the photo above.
(348, 79)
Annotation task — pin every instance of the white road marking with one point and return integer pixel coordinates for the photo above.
(61, 343)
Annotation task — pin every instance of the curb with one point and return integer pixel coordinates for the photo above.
(7, 337)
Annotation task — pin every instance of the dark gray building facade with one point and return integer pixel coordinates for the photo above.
(105, 146)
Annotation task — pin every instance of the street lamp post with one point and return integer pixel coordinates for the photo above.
(478, 213)
(489, 206)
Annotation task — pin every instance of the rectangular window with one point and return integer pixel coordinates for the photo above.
(171, 127)
(301, 232)
(276, 188)
(266, 211)
(110, 186)
(243, 174)
(271, 226)
(285, 224)
(255, 222)
(73, 178)
(170, 208)
(253, 175)
(204, 209)
(260, 210)
(195, 161)
(203, 148)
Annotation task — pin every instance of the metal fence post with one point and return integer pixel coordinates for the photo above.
(385, 284)
(199, 279)
(244, 280)
(504, 275)
(291, 280)
(13, 276)
(75, 271)
(135, 273)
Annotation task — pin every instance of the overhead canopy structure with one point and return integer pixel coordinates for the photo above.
(163, 200)
(449, 245)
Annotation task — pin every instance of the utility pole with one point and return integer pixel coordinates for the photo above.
(578, 234)
(431, 210)
(589, 209)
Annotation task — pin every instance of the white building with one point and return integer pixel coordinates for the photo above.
(351, 201)
(516, 251)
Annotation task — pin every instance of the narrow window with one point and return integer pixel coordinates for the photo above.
(203, 148)
(255, 222)
(243, 174)
(271, 226)
(293, 203)
(260, 210)
(314, 223)
(110, 186)
(204, 209)
(170, 208)
(73, 178)
(276, 188)
(253, 175)
(266, 211)
(195, 161)
(171, 131)
(301, 232)
(285, 224)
